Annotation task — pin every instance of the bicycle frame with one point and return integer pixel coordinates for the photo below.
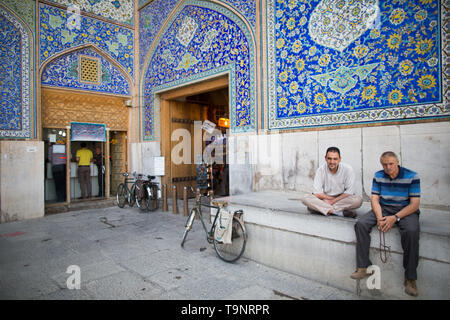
(226, 251)
(126, 181)
(198, 210)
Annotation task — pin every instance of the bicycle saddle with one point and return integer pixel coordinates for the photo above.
(151, 177)
(219, 204)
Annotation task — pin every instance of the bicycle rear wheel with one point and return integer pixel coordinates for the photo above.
(188, 227)
(141, 202)
(232, 252)
(152, 197)
(132, 195)
(121, 195)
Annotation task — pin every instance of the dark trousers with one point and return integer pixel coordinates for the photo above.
(59, 175)
(409, 233)
(84, 178)
(101, 182)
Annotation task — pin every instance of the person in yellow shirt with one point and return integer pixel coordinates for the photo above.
(84, 158)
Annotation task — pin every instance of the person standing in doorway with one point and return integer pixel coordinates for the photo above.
(99, 160)
(58, 162)
(84, 158)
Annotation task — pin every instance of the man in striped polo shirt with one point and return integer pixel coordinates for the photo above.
(395, 199)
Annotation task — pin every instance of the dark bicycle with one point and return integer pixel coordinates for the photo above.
(146, 193)
(227, 252)
(124, 194)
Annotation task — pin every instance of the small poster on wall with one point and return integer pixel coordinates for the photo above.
(158, 166)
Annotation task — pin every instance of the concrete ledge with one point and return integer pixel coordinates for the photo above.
(284, 235)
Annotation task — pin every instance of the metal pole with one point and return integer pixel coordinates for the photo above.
(174, 199)
(185, 201)
(68, 160)
(164, 195)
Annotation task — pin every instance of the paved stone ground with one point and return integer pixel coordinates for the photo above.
(128, 254)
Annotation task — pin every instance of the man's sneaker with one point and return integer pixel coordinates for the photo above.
(349, 214)
(359, 274)
(411, 287)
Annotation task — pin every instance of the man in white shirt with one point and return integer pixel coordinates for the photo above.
(334, 185)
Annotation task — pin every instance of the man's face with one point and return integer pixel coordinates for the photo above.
(98, 150)
(390, 166)
(332, 159)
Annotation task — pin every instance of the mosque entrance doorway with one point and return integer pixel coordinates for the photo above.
(59, 109)
(186, 111)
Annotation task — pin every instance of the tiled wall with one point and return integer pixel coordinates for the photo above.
(335, 62)
(118, 10)
(16, 56)
(60, 30)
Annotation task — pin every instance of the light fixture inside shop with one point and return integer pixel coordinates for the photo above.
(224, 122)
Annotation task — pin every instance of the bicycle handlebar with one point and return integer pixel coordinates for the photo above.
(138, 176)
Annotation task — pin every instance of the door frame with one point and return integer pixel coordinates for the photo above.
(165, 98)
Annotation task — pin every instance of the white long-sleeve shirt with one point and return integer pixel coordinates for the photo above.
(343, 181)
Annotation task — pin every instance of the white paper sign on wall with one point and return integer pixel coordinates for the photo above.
(158, 166)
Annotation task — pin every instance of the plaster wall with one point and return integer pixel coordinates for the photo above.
(421, 147)
(22, 180)
(142, 155)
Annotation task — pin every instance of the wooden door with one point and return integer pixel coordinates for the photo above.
(182, 116)
(118, 152)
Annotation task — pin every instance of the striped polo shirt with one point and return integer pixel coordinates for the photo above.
(396, 192)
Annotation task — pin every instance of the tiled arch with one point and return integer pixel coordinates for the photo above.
(202, 40)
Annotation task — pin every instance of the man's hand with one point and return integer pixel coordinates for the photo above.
(386, 223)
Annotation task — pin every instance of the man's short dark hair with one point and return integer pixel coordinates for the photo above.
(333, 149)
(83, 144)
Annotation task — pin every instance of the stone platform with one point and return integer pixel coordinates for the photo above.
(284, 235)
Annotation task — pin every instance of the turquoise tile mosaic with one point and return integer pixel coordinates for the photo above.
(337, 62)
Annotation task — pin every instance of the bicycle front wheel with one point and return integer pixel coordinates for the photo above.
(188, 227)
(121, 196)
(132, 195)
(152, 197)
(233, 251)
(141, 202)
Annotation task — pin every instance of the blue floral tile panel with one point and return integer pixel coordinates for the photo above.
(336, 61)
(15, 84)
(151, 19)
